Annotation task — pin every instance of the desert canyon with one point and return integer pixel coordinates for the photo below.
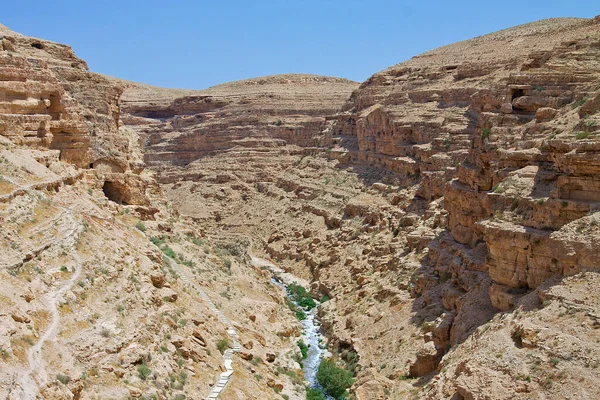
(445, 215)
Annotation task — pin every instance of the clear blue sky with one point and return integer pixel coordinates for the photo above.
(196, 44)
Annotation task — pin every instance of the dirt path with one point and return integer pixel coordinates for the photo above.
(36, 375)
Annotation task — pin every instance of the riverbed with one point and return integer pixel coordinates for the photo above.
(310, 324)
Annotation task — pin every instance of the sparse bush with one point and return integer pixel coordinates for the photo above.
(222, 345)
(579, 103)
(169, 252)
(64, 379)
(144, 371)
(140, 225)
(157, 241)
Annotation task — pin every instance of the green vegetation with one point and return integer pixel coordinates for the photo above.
(334, 379)
(297, 379)
(169, 252)
(301, 315)
(158, 241)
(485, 133)
(140, 225)
(303, 348)
(351, 358)
(143, 371)
(63, 268)
(196, 241)
(222, 345)
(279, 122)
(301, 296)
(499, 188)
(582, 135)
(579, 103)
(64, 379)
(314, 394)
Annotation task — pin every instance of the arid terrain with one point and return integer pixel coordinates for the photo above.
(446, 211)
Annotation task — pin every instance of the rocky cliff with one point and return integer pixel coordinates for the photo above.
(448, 190)
(107, 292)
(447, 207)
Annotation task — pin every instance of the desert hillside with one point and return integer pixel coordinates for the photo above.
(445, 212)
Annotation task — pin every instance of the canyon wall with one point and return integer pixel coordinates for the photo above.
(445, 210)
(448, 189)
(91, 307)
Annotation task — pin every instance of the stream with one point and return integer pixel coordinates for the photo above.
(310, 325)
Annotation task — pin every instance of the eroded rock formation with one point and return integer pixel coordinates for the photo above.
(448, 207)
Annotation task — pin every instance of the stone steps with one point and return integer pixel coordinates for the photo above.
(224, 377)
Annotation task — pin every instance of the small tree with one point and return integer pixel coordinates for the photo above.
(334, 379)
(314, 394)
(222, 345)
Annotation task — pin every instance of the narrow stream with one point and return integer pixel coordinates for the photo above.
(310, 325)
(312, 339)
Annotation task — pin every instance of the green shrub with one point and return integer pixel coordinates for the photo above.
(140, 225)
(301, 315)
(169, 252)
(144, 371)
(334, 379)
(581, 135)
(303, 348)
(222, 345)
(301, 296)
(158, 241)
(64, 379)
(314, 394)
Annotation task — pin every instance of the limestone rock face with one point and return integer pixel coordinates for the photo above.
(268, 112)
(48, 99)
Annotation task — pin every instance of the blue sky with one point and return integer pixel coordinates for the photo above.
(197, 44)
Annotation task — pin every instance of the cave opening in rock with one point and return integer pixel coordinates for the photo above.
(114, 193)
(37, 45)
(517, 93)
